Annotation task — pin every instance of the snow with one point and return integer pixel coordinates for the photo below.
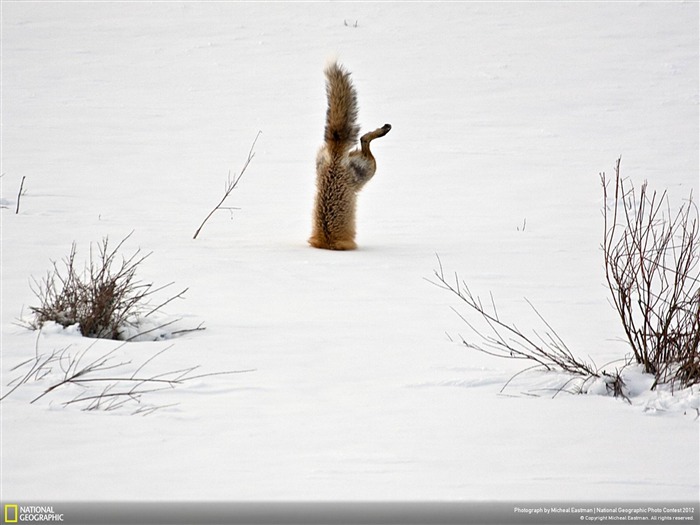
(353, 385)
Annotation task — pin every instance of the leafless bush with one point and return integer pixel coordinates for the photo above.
(105, 382)
(651, 266)
(546, 350)
(104, 298)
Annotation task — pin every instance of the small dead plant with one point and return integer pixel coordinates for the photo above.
(652, 270)
(104, 298)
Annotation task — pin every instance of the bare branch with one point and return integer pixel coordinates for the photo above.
(106, 382)
(507, 341)
(19, 194)
(231, 183)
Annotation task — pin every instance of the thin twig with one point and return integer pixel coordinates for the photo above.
(19, 194)
(231, 184)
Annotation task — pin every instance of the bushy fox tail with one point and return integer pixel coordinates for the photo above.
(341, 118)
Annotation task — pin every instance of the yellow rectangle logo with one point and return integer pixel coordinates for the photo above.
(11, 513)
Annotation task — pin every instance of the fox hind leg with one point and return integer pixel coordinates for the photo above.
(379, 132)
(362, 161)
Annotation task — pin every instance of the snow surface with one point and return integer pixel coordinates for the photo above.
(128, 116)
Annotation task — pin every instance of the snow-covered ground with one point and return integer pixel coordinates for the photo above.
(128, 116)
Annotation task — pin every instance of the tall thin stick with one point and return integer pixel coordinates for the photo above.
(19, 194)
(231, 184)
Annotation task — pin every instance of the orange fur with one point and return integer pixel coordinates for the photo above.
(340, 172)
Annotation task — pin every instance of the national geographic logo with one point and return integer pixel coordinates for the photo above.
(11, 512)
(31, 514)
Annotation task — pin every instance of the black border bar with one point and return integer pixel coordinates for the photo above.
(350, 513)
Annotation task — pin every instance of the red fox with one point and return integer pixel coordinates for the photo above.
(341, 173)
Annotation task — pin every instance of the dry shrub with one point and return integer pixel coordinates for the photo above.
(651, 266)
(104, 298)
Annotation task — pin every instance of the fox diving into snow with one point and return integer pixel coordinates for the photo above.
(340, 172)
